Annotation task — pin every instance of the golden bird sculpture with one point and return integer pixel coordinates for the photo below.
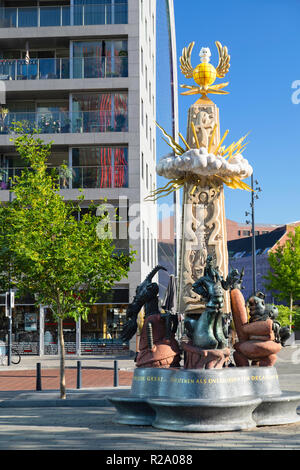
(205, 73)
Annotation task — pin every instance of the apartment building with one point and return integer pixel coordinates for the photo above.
(84, 73)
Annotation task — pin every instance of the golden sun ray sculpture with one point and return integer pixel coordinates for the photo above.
(187, 165)
(205, 73)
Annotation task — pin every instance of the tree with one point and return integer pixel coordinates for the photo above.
(284, 275)
(284, 315)
(64, 262)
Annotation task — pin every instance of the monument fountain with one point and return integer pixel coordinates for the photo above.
(202, 381)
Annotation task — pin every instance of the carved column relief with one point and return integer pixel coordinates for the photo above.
(204, 224)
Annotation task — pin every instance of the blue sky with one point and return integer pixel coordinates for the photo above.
(263, 39)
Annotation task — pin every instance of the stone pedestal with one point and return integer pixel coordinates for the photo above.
(225, 399)
(203, 220)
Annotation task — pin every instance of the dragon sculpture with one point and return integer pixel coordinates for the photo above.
(158, 347)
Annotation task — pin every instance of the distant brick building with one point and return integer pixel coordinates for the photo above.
(236, 230)
(166, 252)
(240, 256)
(239, 250)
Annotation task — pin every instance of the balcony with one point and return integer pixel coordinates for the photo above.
(92, 177)
(77, 15)
(59, 122)
(64, 68)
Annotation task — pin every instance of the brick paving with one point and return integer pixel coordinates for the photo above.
(12, 380)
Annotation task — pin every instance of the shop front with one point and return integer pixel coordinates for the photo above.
(35, 329)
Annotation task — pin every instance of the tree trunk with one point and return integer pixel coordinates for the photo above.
(62, 361)
(291, 309)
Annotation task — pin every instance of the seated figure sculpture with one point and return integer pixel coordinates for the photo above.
(158, 346)
(262, 337)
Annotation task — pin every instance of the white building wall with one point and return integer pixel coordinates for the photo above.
(141, 137)
(148, 132)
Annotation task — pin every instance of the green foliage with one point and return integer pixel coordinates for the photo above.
(284, 275)
(65, 262)
(284, 315)
(296, 319)
(62, 261)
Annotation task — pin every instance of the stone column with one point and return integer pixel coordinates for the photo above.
(203, 219)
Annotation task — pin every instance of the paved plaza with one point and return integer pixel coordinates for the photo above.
(32, 420)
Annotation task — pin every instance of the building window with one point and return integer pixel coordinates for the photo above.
(100, 112)
(99, 167)
(142, 111)
(143, 240)
(142, 165)
(147, 175)
(104, 322)
(101, 58)
(142, 60)
(84, 12)
(152, 251)
(146, 77)
(148, 247)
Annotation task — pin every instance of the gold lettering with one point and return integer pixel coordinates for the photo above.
(139, 379)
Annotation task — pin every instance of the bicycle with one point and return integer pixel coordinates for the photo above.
(14, 359)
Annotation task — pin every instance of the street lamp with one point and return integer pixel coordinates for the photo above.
(254, 196)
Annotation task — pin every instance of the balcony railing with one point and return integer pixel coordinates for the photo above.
(93, 177)
(60, 122)
(77, 15)
(78, 67)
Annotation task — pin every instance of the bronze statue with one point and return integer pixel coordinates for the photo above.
(262, 337)
(207, 332)
(158, 346)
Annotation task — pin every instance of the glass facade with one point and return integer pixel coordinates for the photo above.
(91, 112)
(50, 337)
(25, 328)
(100, 167)
(35, 329)
(36, 69)
(100, 112)
(90, 59)
(82, 13)
(89, 167)
(101, 58)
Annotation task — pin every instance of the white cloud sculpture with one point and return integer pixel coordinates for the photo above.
(201, 163)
